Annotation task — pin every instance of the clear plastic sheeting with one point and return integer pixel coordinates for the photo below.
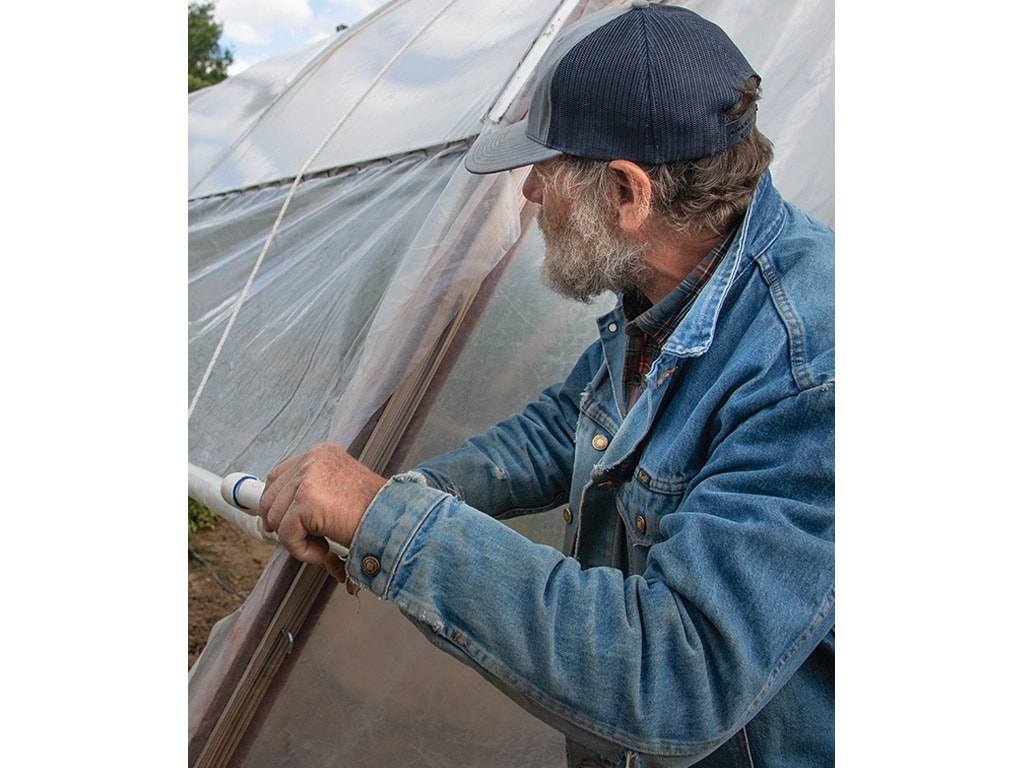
(381, 695)
(220, 117)
(527, 338)
(360, 279)
(387, 696)
(415, 74)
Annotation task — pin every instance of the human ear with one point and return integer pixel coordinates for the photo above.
(632, 194)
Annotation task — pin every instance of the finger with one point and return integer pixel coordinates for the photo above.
(293, 534)
(275, 504)
(274, 484)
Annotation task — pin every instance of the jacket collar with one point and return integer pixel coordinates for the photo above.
(692, 338)
(761, 225)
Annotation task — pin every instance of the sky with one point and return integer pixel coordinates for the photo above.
(259, 29)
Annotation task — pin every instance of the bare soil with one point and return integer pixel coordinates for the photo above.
(224, 569)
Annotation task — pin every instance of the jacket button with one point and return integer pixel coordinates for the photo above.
(600, 442)
(641, 524)
(567, 515)
(371, 566)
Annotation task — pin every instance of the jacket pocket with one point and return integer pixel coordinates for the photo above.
(643, 503)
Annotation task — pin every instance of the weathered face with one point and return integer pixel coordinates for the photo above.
(586, 253)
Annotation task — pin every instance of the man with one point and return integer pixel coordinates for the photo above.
(690, 617)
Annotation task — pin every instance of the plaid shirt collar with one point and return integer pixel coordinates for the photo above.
(649, 327)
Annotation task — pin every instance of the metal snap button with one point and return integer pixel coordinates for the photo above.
(600, 442)
(371, 566)
(567, 515)
(641, 524)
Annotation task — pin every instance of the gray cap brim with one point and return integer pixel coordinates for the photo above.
(505, 148)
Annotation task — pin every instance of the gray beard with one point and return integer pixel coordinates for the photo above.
(584, 257)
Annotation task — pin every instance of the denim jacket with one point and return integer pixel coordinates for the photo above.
(690, 617)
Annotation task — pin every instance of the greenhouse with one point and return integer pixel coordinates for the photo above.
(351, 282)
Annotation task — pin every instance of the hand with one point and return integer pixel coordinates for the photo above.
(317, 495)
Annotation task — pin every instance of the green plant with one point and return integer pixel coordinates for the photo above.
(208, 60)
(199, 516)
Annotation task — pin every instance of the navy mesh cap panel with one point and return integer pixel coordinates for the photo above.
(652, 86)
(539, 118)
(601, 103)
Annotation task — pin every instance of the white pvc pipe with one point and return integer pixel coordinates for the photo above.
(242, 491)
(230, 496)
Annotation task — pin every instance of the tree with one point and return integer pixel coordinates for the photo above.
(208, 61)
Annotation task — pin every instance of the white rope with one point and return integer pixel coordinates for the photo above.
(287, 202)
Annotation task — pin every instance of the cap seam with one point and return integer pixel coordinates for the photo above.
(651, 106)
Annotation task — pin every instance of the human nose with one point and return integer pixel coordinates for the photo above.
(533, 187)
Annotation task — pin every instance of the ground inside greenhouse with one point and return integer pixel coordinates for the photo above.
(223, 566)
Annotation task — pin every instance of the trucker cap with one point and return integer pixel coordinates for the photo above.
(643, 82)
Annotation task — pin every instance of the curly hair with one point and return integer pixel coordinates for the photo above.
(707, 194)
